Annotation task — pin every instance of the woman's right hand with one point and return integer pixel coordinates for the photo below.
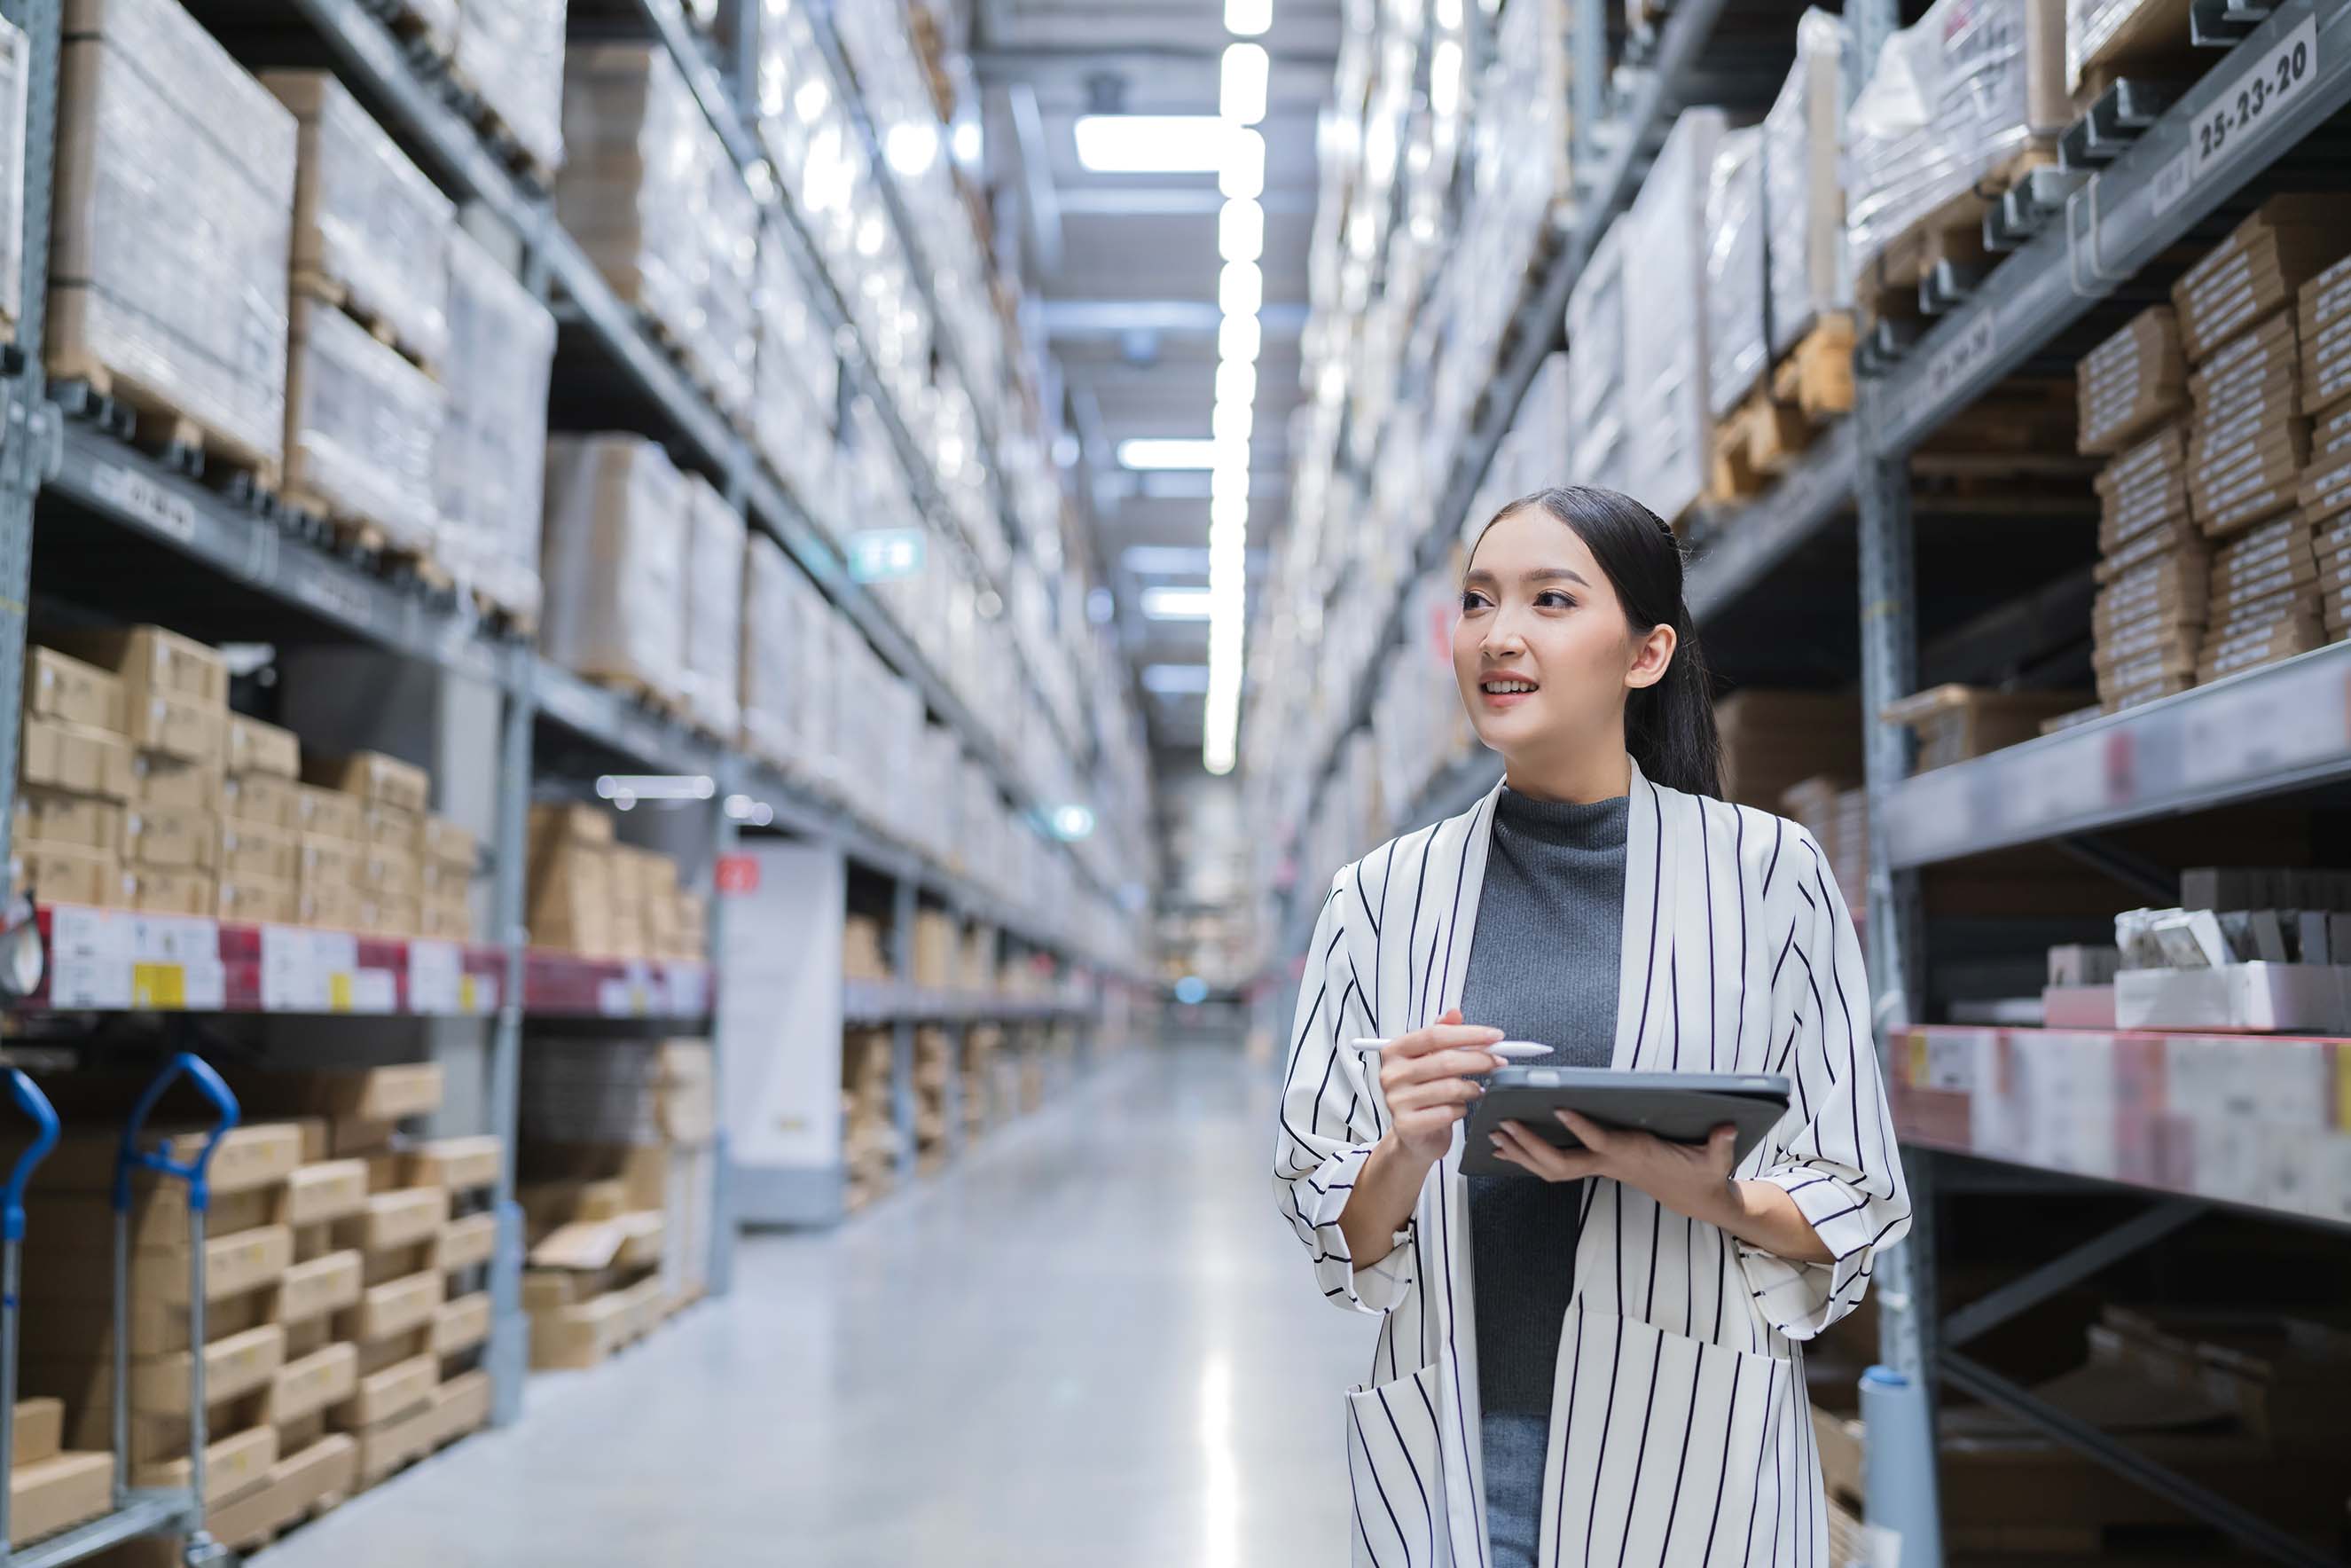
(1428, 1079)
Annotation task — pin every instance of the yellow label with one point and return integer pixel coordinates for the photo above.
(468, 996)
(1917, 1058)
(339, 992)
(639, 1002)
(2341, 1085)
(158, 986)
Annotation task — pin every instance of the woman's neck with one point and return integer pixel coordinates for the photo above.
(1587, 774)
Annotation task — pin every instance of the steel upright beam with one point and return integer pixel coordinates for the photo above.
(726, 839)
(1587, 98)
(903, 909)
(510, 1357)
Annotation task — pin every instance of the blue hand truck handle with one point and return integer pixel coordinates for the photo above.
(132, 1158)
(36, 1104)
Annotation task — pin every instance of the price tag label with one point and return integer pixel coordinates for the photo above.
(339, 991)
(688, 988)
(2171, 181)
(175, 939)
(436, 983)
(2257, 101)
(618, 998)
(158, 986)
(292, 980)
(374, 991)
(476, 994)
(90, 958)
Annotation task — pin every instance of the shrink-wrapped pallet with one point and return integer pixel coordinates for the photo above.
(370, 228)
(770, 719)
(798, 384)
(1666, 352)
(491, 467)
(651, 195)
(1596, 387)
(1804, 201)
(2107, 38)
(15, 61)
(714, 607)
(173, 203)
(616, 531)
(363, 425)
(511, 53)
(1738, 350)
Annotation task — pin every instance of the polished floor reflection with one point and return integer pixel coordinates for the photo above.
(1090, 1344)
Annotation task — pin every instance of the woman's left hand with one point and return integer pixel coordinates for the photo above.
(1692, 1179)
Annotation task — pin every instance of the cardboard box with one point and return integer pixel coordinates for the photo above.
(235, 1365)
(391, 1265)
(388, 1395)
(171, 724)
(164, 783)
(331, 906)
(571, 900)
(441, 841)
(323, 861)
(69, 873)
(233, 1466)
(559, 823)
(387, 875)
(370, 1094)
(312, 1290)
(326, 1191)
(257, 901)
(168, 841)
(389, 1445)
(460, 1164)
(547, 1204)
(154, 891)
(326, 814)
(461, 1406)
(47, 1496)
(388, 829)
(461, 1324)
(2260, 268)
(256, 1155)
(294, 1485)
(372, 776)
(445, 921)
(151, 659)
(75, 759)
(254, 748)
(61, 687)
(466, 1243)
(83, 821)
(84, 1221)
(574, 1337)
(37, 1426)
(2132, 382)
(2258, 367)
(264, 800)
(81, 1268)
(396, 1307)
(260, 851)
(322, 1378)
(394, 1219)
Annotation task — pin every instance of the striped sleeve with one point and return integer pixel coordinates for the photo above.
(1330, 1120)
(1836, 1155)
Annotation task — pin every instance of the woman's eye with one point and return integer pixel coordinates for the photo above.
(1551, 599)
(1472, 600)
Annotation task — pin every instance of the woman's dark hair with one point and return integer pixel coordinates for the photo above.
(1669, 726)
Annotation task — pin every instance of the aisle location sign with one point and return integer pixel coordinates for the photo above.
(879, 555)
(2255, 103)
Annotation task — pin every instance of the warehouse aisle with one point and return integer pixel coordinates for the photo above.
(1092, 1344)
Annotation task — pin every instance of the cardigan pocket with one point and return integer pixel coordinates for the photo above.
(1395, 1465)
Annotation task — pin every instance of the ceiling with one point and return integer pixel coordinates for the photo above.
(1121, 275)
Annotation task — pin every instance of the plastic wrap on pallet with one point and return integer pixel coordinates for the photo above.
(771, 728)
(729, 320)
(16, 59)
(798, 385)
(362, 427)
(2118, 36)
(1738, 350)
(367, 221)
(177, 301)
(1804, 201)
(1666, 353)
(616, 528)
(1595, 366)
(511, 53)
(491, 469)
(714, 607)
(1964, 90)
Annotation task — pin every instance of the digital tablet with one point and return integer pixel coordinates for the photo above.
(1681, 1106)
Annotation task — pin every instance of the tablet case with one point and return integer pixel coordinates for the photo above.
(1682, 1107)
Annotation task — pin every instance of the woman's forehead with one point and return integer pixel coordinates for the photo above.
(1526, 540)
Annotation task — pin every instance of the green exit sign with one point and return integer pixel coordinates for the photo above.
(877, 555)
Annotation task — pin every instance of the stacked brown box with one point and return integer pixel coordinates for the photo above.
(50, 1488)
(981, 1045)
(75, 778)
(571, 880)
(862, 956)
(2326, 504)
(445, 860)
(2323, 314)
(598, 1241)
(2149, 617)
(260, 866)
(933, 1061)
(2246, 440)
(1773, 739)
(68, 1345)
(935, 949)
(2132, 382)
(2257, 270)
(373, 806)
(1955, 722)
(1837, 816)
(869, 1133)
(2265, 598)
(467, 1169)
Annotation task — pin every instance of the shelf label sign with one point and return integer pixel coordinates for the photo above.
(89, 958)
(687, 986)
(142, 497)
(291, 979)
(880, 555)
(737, 875)
(2257, 101)
(1963, 357)
(435, 978)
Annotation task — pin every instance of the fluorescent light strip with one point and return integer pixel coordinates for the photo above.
(1161, 143)
(1150, 453)
(1248, 18)
(1243, 79)
(1180, 603)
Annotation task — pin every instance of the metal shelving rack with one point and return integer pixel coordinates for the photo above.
(2287, 727)
(321, 594)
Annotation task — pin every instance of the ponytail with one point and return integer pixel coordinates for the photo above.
(1668, 726)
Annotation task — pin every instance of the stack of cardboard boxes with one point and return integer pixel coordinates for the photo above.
(933, 1061)
(1772, 740)
(594, 1284)
(2153, 576)
(601, 899)
(2324, 318)
(2248, 439)
(50, 1488)
(1837, 816)
(1955, 722)
(2130, 383)
(467, 1169)
(869, 1136)
(982, 1042)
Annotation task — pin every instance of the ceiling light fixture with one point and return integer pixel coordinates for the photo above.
(1240, 289)
(1240, 231)
(1158, 143)
(1225, 513)
(1248, 18)
(1175, 603)
(1237, 382)
(1242, 82)
(1151, 453)
(1240, 172)
(1239, 340)
(1233, 421)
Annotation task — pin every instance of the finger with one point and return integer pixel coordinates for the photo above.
(1445, 1064)
(1546, 1160)
(1438, 1092)
(1722, 1147)
(1451, 1037)
(1588, 1133)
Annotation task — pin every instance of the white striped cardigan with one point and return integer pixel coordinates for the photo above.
(1680, 1433)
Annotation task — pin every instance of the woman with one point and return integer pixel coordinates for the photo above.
(1596, 1360)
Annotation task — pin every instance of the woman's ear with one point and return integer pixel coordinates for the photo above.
(1653, 654)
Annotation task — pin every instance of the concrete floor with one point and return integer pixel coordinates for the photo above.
(1091, 1342)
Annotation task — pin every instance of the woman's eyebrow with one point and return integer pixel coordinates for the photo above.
(1554, 574)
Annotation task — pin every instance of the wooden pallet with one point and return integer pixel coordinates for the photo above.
(423, 35)
(1803, 393)
(333, 293)
(363, 538)
(150, 420)
(1886, 286)
(635, 688)
(501, 618)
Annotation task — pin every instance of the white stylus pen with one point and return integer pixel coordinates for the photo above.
(1509, 1050)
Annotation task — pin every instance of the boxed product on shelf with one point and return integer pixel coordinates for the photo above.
(1773, 739)
(798, 385)
(1835, 812)
(2326, 482)
(373, 778)
(2106, 40)
(597, 1245)
(511, 52)
(642, 1114)
(490, 457)
(2259, 268)
(1738, 349)
(2266, 603)
(175, 689)
(1598, 375)
(715, 541)
(870, 1140)
(650, 194)
(361, 425)
(58, 687)
(2248, 442)
(264, 749)
(1804, 201)
(611, 562)
(2323, 313)
(1665, 359)
(2133, 381)
(1958, 105)
(370, 229)
(50, 1488)
(16, 64)
(778, 691)
(175, 318)
(1954, 723)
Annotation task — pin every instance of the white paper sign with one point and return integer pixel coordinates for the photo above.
(687, 989)
(292, 980)
(2254, 104)
(435, 974)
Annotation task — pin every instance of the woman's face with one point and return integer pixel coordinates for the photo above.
(1542, 651)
